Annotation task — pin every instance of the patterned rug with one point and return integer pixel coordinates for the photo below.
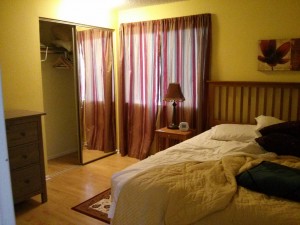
(96, 207)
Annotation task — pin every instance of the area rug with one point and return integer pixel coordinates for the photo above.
(97, 206)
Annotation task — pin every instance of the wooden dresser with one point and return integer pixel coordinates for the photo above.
(26, 154)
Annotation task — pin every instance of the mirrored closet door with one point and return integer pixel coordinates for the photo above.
(75, 126)
(94, 50)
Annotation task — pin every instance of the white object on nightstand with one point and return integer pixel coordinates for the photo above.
(184, 126)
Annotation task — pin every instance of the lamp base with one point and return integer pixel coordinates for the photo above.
(173, 126)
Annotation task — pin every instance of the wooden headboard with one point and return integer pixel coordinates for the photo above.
(241, 102)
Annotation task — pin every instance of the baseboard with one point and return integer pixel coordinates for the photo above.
(61, 154)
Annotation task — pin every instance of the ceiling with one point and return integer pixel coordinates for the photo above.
(138, 3)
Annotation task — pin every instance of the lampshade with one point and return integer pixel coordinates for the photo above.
(174, 93)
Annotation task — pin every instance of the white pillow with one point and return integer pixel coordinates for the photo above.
(264, 121)
(234, 132)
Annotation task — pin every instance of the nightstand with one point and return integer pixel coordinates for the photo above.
(169, 137)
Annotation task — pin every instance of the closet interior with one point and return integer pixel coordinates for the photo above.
(63, 128)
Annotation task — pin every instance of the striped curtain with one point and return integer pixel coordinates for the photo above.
(185, 58)
(139, 84)
(152, 55)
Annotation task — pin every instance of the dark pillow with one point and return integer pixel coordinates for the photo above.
(290, 127)
(272, 179)
(282, 144)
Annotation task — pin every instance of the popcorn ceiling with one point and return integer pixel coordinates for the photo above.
(137, 3)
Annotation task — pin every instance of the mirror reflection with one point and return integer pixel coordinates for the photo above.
(96, 94)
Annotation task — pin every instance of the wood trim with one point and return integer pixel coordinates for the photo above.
(72, 23)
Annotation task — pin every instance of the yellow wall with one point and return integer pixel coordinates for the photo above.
(237, 25)
(19, 43)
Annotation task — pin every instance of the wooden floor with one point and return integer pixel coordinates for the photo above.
(67, 188)
(62, 164)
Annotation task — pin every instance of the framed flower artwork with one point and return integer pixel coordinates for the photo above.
(280, 54)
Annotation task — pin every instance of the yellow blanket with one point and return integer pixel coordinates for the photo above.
(187, 192)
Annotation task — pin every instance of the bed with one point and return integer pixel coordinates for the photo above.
(202, 180)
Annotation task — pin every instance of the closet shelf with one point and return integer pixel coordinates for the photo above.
(52, 50)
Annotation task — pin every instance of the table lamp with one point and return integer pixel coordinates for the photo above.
(174, 94)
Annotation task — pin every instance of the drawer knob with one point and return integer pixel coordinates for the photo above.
(24, 156)
(23, 134)
(26, 181)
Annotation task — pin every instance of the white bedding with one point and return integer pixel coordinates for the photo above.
(199, 148)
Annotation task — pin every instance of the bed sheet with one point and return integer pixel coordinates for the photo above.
(199, 148)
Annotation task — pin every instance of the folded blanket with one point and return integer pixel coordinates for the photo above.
(272, 179)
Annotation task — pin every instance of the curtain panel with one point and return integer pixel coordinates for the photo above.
(152, 55)
(185, 57)
(139, 80)
(97, 88)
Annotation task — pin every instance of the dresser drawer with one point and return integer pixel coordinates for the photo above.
(22, 133)
(26, 181)
(23, 155)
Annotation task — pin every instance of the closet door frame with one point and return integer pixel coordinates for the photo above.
(75, 26)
